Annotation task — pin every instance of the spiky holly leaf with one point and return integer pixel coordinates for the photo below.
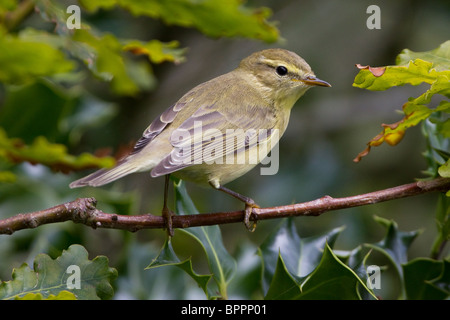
(168, 257)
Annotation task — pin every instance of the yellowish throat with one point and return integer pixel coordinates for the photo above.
(220, 129)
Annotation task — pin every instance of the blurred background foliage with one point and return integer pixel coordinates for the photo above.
(72, 93)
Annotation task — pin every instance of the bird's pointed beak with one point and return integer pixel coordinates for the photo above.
(313, 81)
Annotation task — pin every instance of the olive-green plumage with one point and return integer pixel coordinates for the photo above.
(258, 94)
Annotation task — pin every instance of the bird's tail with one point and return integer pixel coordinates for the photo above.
(104, 176)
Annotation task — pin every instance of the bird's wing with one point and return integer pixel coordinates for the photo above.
(157, 126)
(210, 134)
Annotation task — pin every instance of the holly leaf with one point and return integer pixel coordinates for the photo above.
(283, 285)
(306, 268)
(331, 276)
(427, 279)
(70, 275)
(221, 264)
(300, 255)
(168, 257)
(395, 244)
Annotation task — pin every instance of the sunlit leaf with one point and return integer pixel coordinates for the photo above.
(62, 295)
(439, 56)
(214, 18)
(24, 61)
(7, 5)
(7, 177)
(394, 133)
(102, 55)
(55, 156)
(157, 51)
(412, 69)
(414, 73)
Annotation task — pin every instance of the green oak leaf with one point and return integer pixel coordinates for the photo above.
(430, 67)
(63, 295)
(414, 73)
(439, 56)
(213, 18)
(157, 51)
(51, 277)
(24, 61)
(53, 155)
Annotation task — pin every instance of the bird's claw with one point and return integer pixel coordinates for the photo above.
(167, 214)
(250, 225)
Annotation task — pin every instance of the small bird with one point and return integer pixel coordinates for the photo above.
(220, 129)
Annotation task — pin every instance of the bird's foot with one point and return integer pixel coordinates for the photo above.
(167, 214)
(249, 206)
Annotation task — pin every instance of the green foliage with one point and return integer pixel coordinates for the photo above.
(23, 61)
(221, 263)
(427, 279)
(58, 83)
(212, 17)
(52, 155)
(289, 267)
(44, 71)
(412, 68)
(52, 279)
(395, 244)
(167, 257)
(292, 267)
(306, 269)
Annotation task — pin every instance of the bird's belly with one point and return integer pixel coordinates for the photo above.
(215, 174)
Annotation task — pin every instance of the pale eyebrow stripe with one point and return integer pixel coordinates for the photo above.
(275, 63)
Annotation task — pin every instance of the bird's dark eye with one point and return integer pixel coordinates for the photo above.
(281, 70)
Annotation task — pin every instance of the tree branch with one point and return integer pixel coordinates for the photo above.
(83, 210)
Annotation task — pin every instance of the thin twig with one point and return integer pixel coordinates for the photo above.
(83, 210)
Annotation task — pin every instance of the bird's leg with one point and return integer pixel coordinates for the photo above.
(166, 213)
(249, 205)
